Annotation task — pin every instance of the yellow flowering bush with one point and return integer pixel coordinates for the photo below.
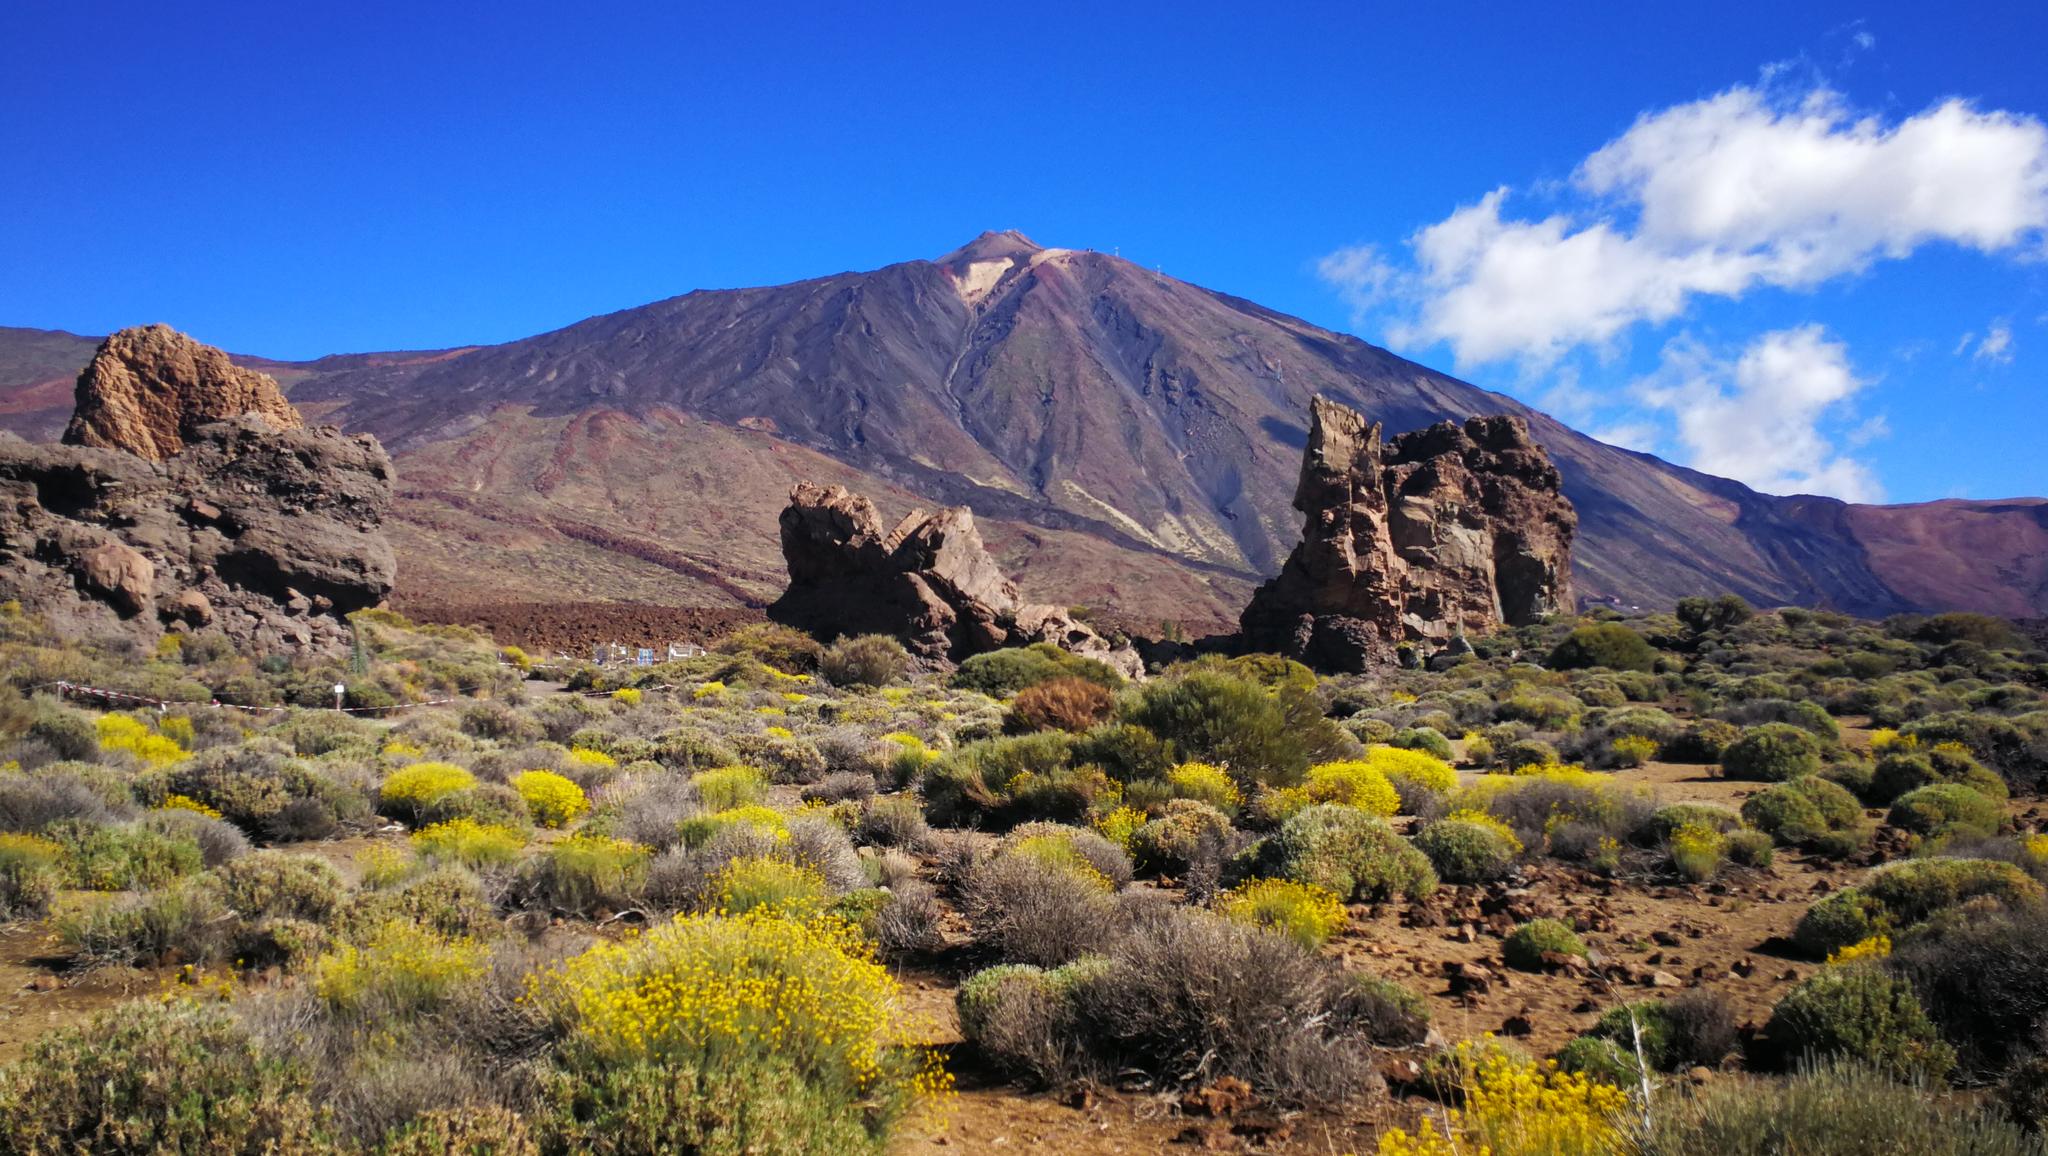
(1697, 850)
(1120, 825)
(1355, 784)
(1885, 739)
(418, 788)
(779, 732)
(698, 830)
(1303, 912)
(1633, 750)
(724, 788)
(628, 695)
(793, 697)
(1517, 1107)
(187, 803)
(382, 866)
(2035, 847)
(711, 689)
(553, 800)
(1875, 947)
(469, 842)
(177, 728)
(402, 967)
(1059, 852)
(1419, 767)
(911, 744)
(771, 885)
(120, 732)
(1205, 784)
(400, 749)
(742, 999)
(592, 760)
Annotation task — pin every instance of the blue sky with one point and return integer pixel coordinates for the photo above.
(1801, 244)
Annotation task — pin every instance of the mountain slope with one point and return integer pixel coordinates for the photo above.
(1130, 440)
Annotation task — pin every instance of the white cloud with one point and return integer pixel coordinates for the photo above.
(1715, 198)
(1996, 347)
(1758, 419)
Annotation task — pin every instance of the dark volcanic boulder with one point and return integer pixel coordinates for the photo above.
(149, 387)
(254, 525)
(1440, 531)
(929, 582)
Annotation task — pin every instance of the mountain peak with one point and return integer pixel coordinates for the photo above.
(992, 246)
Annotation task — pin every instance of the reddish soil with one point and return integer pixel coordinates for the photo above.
(546, 628)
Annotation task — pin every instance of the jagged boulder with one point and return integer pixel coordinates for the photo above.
(149, 387)
(929, 581)
(1417, 540)
(254, 525)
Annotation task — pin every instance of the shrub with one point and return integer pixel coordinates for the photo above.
(724, 788)
(1345, 850)
(155, 1078)
(1898, 897)
(278, 885)
(1604, 644)
(30, 873)
(1066, 703)
(754, 1032)
(469, 843)
(1023, 1020)
(185, 924)
(1260, 738)
(420, 792)
(1525, 753)
(1703, 615)
(894, 821)
(1748, 848)
(866, 660)
(1428, 740)
(1389, 1014)
(583, 873)
(1001, 673)
(783, 647)
(1525, 946)
(1696, 851)
(1189, 997)
(1835, 1109)
(1696, 1028)
(1469, 847)
(1203, 783)
(400, 969)
(1632, 750)
(1511, 1106)
(1129, 754)
(469, 1129)
(1354, 784)
(1941, 809)
(771, 885)
(1859, 1012)
(1070, 847)
(1027, 910)
(1183, 834)
(1985, 982)
(1810, 812)
(263, 793)
(1704, 741)
(553, 800)
(124, 856)
(1303, 912)
(1898, 772)
(1771, 753)
(1413, 770)
(123, 733)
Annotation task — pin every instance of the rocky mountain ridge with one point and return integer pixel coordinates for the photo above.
(1126, 440)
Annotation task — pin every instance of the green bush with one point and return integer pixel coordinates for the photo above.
(1857, 1011)
(123, 856)
(983, 782)
(1174, 841)
(1771, 753)
(1022, 1019)
(1748, 848)
(31, 871)
(1810, 812)
(184, 924)
(1524, 947)
(1696, 1028)
(1898, 772)
(1704, 741)
(772, 644)
(279, 885)
(1605, 644)
(1002, 673)
(1837, 1109)
(1261, 738)
(1942, 809)
(1469, 848)
(586, 873)
(1350, 853)
(150, 1078)
(1523, 753)
(1898, 897)
(866, 660)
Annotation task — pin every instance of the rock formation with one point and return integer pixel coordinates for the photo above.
(929, 582)
(179, 512)
(1441, 531)
(148, 388)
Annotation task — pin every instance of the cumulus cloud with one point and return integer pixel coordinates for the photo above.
(1744, 189)
(1759, 418)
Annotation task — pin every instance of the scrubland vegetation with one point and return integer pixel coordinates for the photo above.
(683, 908)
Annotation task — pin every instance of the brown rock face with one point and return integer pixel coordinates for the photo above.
(255, 526)
(148, 388)
(1417, 540)
(929, 581)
